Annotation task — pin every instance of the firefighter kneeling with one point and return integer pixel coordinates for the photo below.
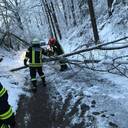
(7, 118)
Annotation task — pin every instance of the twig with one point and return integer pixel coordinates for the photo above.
(120, 71)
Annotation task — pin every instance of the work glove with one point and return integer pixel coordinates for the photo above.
(1, 59)
(25, 63)
(50, 52)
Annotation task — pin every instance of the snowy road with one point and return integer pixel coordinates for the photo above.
(34, 111)
(75, 99)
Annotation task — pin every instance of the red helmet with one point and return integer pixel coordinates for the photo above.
(52, 41)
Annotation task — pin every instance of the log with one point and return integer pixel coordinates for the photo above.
(19, 68)
(64, 59)
(46, 59)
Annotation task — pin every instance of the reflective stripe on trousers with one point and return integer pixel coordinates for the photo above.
(2, 92)
(43, 76)
(5, 126)
(33, 79)
(7, 114)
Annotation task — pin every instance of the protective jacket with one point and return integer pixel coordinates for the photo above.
(6, 114)
(34, 54)
(57, 48)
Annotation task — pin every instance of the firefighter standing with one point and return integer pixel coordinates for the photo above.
(7, 118)
(34, 55)
(57, 49)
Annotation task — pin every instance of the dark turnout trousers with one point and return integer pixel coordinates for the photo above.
(33, 71)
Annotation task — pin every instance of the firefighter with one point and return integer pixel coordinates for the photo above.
(7, 118)
(57, 49)
(34, 55)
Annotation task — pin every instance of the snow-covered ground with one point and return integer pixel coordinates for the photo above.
(100, 98)
(12, 81)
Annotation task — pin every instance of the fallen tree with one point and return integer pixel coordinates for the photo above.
(114, 63)
(99, 46)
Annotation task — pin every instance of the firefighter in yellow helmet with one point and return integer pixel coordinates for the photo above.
(34, 55)
(7, 118)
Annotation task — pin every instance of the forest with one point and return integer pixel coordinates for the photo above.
(86, 73)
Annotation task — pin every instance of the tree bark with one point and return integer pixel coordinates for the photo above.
(93, 21)
(73, 13)
(55, 20)
(50, 18)
(65, 13)
(110, 7)
(47, 17)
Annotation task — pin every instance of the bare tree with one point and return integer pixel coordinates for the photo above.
(13, 7)
(7, 38)
(53, 14)
(45, 10)
(65, 13)
(110, 6)
(73, 13)
(93, 21)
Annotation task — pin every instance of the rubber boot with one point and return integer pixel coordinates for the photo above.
(34, 86)
(44, 82)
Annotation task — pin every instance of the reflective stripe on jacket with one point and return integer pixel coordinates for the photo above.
(35, 56)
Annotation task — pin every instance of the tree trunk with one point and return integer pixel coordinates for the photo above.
(55, 20)
(73, 13)
(64, 10)
(110, 6)
(93, 21)
(50, 19)
(47, 17)
(7, 41)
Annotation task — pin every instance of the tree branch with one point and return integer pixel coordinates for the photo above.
(99, 46)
